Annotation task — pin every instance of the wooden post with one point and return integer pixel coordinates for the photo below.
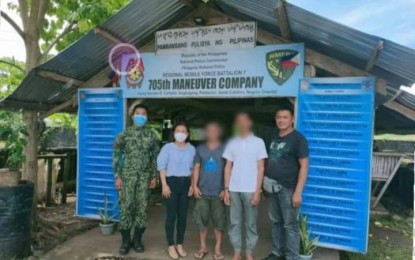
(49, 183)
(29, 171)
(388, 181)
(65, 178)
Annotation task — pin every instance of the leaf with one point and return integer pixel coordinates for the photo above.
(83, 26)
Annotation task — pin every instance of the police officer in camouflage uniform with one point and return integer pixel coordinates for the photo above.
(135, 165)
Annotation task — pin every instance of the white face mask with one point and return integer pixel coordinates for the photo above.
(180, 137)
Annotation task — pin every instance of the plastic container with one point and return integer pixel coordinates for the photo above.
(15, 220)
(9, 177)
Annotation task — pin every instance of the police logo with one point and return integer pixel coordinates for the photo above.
(135, 72)
(281, 64)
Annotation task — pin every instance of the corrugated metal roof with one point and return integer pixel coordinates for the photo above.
(395, 63)
(406, 97)
(137, 22)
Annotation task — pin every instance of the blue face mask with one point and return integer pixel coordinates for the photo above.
(139, 120)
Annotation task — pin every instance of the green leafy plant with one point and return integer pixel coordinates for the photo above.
(105, 214)
(13, 135)
(307, 245)
(64, 120)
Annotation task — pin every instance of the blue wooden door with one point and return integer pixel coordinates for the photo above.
(336, 116)
(100, 120)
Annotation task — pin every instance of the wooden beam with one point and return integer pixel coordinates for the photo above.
(60, 78)
(68, 103)
(341, 69)
(26, 105)
(408, 113)
(107, 36)
(282, 18)
(309, 71)
(375, 54)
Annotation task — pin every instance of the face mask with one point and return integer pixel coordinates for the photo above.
(180, 137)
(139, 120)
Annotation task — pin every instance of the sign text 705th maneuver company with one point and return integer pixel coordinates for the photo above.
(271, 71)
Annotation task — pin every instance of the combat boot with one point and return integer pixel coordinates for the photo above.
(125, 242)
(137, 244)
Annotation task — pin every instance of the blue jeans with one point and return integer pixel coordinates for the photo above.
(285, 226)
(241, 207)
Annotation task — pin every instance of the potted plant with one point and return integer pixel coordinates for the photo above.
(307, 245)
(106, 223)
(12, 135)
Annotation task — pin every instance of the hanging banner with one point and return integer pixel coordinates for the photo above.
(336, 116)
(265, 71)
(207, 38)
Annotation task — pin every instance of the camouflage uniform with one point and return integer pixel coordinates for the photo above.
(135, 162)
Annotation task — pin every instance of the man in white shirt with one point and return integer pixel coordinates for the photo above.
(244, 172)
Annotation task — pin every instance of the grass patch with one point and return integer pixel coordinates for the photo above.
(381, 250)
(381, 247)
(395, 137)
(396, 223)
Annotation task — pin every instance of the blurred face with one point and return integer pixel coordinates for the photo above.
(140, 111)
(139, 117)
(181, 129)
(284, 120)
(243, 123)
(213, 132)
(180, 134)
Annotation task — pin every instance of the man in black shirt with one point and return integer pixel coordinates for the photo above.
(285, 176)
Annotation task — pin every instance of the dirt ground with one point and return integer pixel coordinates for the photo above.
(390, 237)
(93, 245)
(57, 224)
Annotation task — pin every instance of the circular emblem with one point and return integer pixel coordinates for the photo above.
(133, 70)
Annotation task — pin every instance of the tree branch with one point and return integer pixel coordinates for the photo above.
(23, 12)
(13, 65)
(12, 23)
(43, 7)
(67, 29)
(34, 10)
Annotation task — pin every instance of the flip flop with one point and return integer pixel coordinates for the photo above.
(200, 254)
(218, 257)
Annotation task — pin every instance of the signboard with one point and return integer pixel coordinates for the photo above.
(265, 71)
(336, 116)
(206, 38)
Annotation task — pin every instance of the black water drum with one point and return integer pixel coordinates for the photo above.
(15, 220)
